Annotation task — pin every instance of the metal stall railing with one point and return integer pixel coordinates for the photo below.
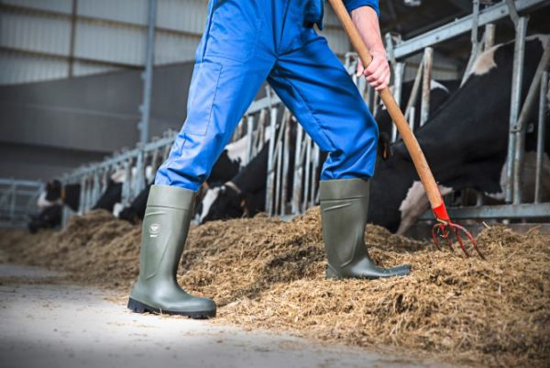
(135, 168)
(18, 201)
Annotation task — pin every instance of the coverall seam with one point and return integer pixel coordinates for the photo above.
(207, 31)
(208, 120)
(304, 101)
(172, 157)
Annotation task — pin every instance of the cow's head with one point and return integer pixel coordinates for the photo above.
(49, 218)
(54, 189)
(221, 203)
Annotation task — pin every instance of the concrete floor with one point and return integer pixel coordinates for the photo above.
(47, 323)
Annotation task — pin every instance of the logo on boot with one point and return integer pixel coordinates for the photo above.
(154, 230)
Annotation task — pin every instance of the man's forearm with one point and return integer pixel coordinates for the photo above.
(378, 71)
(366, 21)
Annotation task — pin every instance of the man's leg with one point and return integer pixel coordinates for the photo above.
(229, 71)
(313, 83)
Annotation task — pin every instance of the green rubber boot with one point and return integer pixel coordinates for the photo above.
(344, 207)
(165, 227)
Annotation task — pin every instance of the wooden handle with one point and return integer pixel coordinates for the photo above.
(419, 160)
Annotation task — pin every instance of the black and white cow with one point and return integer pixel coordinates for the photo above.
(465, 141)
(440, 91)
(136, 210)
(56, 193)
(49, 218)
(230, 162)
(242, 195)
(110, 197)
(226, 167)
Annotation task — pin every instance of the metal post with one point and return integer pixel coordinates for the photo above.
(81, 206)
(308, 171)
(249, 133)
(139, 181)
(474, 41)
(279, 173)
(127, 182)
(426, 85)
(259, 137)
(411, 117)
(270, 166)
(314, 181)
(489, 36)
(147, 76)
(298, 171)
(541, 135)
(88, 195)
(414, 92)
(286, 167)
(72, 39)
(522, 124)
(96, 187)
(517, 78)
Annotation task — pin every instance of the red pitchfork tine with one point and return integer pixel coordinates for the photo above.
(444, 225)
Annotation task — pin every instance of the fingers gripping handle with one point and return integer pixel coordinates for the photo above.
(419, 160)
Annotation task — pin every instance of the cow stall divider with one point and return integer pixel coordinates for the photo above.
(294, 160)
(18, 201)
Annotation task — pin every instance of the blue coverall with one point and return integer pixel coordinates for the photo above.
(248, 41)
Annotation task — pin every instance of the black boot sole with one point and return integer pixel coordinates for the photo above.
(139, 307)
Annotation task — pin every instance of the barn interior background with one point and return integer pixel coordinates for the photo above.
(91, 87)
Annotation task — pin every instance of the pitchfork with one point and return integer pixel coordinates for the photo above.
(444, 227)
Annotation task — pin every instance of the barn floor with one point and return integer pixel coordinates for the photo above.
(48, 322)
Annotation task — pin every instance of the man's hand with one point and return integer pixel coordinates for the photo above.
(378, 72)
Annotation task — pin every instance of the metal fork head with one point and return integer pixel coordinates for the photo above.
(445, 230)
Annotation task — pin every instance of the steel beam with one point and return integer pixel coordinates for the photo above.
(541, 136)
(517, 79)
(145, 108)
(462, 26)
(426, 85)
(505, 211)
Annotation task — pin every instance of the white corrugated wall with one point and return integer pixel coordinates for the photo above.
(35, 36)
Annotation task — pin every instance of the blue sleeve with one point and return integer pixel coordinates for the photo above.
(354, 4)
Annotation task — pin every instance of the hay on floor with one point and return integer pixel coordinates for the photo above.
(266, 273)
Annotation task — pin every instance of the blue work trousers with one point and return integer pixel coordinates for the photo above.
(246, 42)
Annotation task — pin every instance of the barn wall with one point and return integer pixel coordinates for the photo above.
(87, 117)
(35, 36)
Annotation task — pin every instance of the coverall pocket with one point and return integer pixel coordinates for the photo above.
(202, 93)
(234, 30)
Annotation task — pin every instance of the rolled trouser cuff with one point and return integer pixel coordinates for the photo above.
(170, 196)
(343, 189)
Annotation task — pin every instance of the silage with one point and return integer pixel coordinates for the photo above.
(265, 273)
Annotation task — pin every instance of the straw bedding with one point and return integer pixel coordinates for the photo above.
(266, 273)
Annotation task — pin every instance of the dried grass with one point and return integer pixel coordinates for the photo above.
(270, 274)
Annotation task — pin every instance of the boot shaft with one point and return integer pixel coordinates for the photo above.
(344, 207)
(164, 230)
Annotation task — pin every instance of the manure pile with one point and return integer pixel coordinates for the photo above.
(266, 273)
